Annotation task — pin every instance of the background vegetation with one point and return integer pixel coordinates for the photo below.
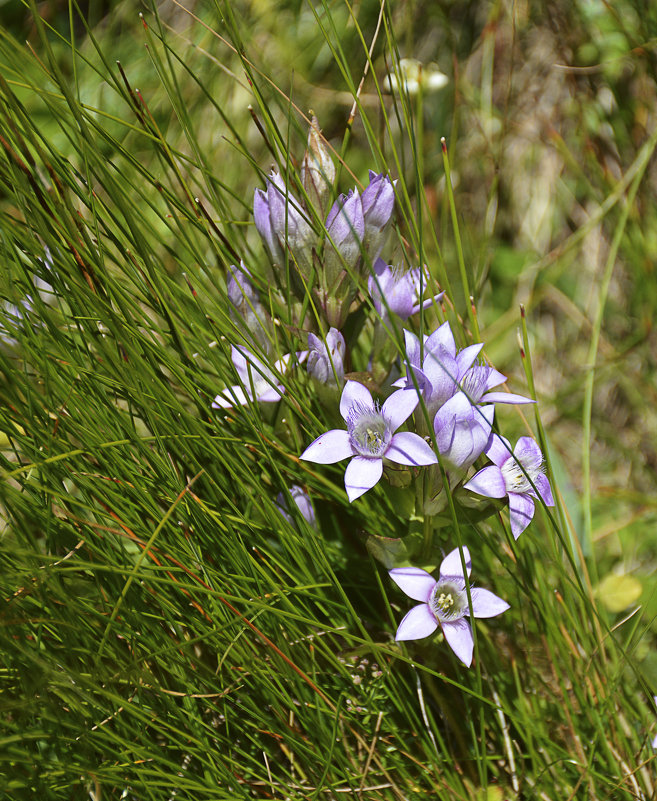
(165, 632)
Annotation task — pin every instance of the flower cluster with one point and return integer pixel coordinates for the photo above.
(433, 425)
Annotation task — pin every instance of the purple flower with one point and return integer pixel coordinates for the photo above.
(370, 438)
(345, 227)
(378, 204)
(281, 222)
(398, 291)
(443, 371)
(444, 603)
(654, 742)
(478, 381)
(257, 380)
(246, 301)
(302, 501)
(462, 431)
(440, 370)
(514, 475)
(326, 358)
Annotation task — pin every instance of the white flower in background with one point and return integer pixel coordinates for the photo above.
(415, 76)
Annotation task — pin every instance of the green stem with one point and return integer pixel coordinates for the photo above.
(469, 299)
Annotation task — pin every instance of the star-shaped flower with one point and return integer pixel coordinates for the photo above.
(370, 438)
(514, 475)
(445, 603)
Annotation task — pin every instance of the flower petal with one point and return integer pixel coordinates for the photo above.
(486, 604)
(451, 564)
(521, 508)
(408, 448)
(269, 394)
(354, 393)
(361, 474)
(442, 337)
(418, 623)
(544, 489)
(459, 637)
(399, 406)
(414, 581)
(488, 482)
(331, 447)
(505, 397)
(412, 346)
(527, 451)
(465, 358)
(499, 450)
(231, 396)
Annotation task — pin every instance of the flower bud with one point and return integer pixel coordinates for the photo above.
(246, 301)
(317, 169)
(326, 359)
(302, 502)
(378, 203)
(345, 226)
(282, 224)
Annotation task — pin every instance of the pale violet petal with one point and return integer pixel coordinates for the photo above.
(544, 489)
(233, 396)
(486, 604)
(451, 564)
(521, 508)
(414, 581)
(442, 337)
(331, 447)
(499, 450)
(527, 452)
(505, 397)
(270, 394)
(418, 623)
(459, 637)
(466, 357)
(354, 393)
(494, 379)
(408, 448)
(399, 407)
(488, 482)
(412, 345)
(361, 475)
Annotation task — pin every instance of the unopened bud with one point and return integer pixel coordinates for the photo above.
(317, 169)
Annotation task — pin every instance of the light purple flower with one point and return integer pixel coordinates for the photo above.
(257, 381)
(302, 501)
(281, 222)
(441, 368)
(246, 302)
(345, 227)
(462, 431)
(378, 204)
(398, 291)
(445, 603)
(480, 379)
(654, 742)
(443, 371)
(370, 438)
(514, 475)
(326, 358)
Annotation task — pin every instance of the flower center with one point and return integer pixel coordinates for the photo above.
(519, 476)
(448, 600)
(369, 431)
